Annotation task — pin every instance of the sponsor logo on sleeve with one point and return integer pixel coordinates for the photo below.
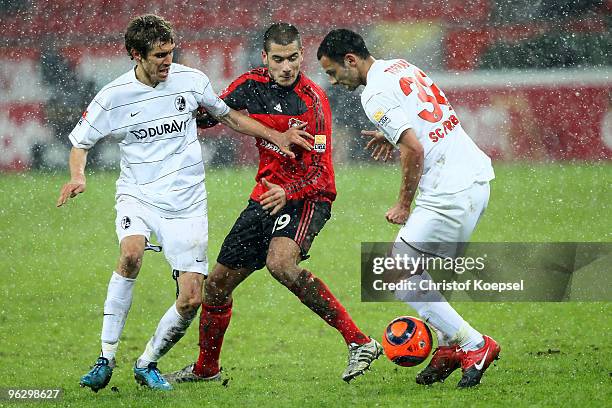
(381, 118)
(320, 143)
(83, 116)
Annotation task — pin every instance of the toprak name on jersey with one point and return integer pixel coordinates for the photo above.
(160, 130)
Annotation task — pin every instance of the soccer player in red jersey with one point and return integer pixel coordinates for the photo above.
(289, 205)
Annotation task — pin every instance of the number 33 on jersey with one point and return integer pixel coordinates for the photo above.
(399, 96)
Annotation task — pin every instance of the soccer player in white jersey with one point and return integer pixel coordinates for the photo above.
(451, 173)
(150, 111)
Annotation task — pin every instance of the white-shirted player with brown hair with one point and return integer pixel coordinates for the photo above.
(150, 112)
(450, 171)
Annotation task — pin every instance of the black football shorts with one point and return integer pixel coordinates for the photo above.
(246, 245)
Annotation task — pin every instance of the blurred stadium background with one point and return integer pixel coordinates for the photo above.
(530, 80)
(532, 83)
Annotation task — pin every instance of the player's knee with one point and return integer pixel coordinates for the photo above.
(130, 262)
(283, 269)
(215, 290)
(188, 306)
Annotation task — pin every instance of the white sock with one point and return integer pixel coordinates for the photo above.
(435, 310)
(170, 330)
(116, 308)
(468, 338)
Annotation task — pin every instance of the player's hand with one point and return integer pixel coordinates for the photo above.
(70, 190)
(295, 135)
(204, 119)
(275, 198)
(398, 214)
(380, 146)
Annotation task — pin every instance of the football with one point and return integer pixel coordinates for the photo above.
(407, 341)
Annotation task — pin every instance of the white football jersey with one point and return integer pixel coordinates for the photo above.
(399, 96)
(161, 158)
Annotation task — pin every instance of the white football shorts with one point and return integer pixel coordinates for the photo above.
(442, 224)
(184, 240)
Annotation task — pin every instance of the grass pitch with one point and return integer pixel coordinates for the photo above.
(55, 265)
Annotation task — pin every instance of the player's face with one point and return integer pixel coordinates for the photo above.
(283, 62)
(340, 74)
(155, 67)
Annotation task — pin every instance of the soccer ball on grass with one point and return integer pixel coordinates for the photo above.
(407, 341)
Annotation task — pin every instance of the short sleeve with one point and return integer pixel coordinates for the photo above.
(93, 126)
(209, 99)
(387, 115)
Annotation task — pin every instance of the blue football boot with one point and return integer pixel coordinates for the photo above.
(150, 377)
(99, 375)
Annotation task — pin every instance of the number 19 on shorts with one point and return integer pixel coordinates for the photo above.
(281, 222)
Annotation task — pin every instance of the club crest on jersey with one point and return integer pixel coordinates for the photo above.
(295, 122)
(320, 143)
(180, 103)
(126, 222)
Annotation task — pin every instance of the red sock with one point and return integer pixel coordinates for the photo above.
(317, 296)
(213, 324)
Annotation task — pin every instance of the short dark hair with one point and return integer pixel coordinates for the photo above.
(143, 32)
(282, 34)
(337, 43)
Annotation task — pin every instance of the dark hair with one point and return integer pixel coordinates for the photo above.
(282, 34)
(337, 43)
(143, 32)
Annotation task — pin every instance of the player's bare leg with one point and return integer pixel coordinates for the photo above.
(116, 308)
(214, 320)
(282, 262)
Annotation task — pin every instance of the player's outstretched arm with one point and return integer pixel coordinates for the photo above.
(412, 157)
(249, 126)
(76, 185)
(378, 143)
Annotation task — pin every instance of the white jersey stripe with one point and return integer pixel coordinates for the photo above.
(147, 121)
(191, 186)
(171, 172)
(157, 161)
(152, 204)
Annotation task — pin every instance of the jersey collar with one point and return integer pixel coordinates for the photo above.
(289, 88)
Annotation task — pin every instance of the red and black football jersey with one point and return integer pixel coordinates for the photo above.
(311, 174)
